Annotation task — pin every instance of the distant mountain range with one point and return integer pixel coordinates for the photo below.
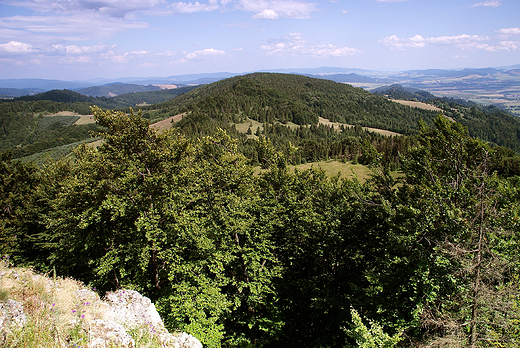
(498, 86)
(332, 73)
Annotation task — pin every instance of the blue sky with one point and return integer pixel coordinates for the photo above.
(83, 39)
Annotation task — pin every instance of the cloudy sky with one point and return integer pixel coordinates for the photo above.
(82, 39)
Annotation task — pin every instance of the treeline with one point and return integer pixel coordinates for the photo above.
(302, 144)
(282, 258)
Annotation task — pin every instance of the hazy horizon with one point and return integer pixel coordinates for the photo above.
(85, 39)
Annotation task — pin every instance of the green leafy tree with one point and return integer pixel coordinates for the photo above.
(372, 336)
(174, 218)
(465, 216)
(20, 220)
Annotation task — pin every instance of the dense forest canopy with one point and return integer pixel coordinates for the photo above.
(283, 258)
(267, 97)
(426, 256)
(25, 131)
(289, 109)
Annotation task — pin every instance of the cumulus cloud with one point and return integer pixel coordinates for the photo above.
(208, 52)
(464, 41)
(509, 31)
(491, 3)
(115, 8)
(77, 50)
(418, 41)
(398, 43)
(189, 7)
(15, 47)
(508, 45)
(268, 9)
(295, 44)
(266, 14)
(456, 39)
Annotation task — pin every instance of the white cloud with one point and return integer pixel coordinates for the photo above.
(464, 42)
(418, 41)
(332, 51)
(115, 8)
(509, 45)
(391, 0)
(124, 57)
(509, 31)
(203, 53)
(491, 3)
(189, 7)
(76, 50)
(15, 47)
(456, 39)
(266, 14)
(282, 8)
(295, 44)
(65, 27)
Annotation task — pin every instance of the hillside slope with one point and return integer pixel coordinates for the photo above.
(268, 97)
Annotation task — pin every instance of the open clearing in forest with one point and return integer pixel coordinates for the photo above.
(337, 126)
(244, 126)
(163, 125)
(419, 105)
(83, 119)
(346, 170)
(333, 167)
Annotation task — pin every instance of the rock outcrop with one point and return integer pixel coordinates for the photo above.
(123, 318)
(129, 310)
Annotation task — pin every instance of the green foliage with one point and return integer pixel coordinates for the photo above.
(279, 258)
(370, 337)
(402, 93)
(171, 217)
(467, 215)
(19, 219)
(286, 98)
(23, 131)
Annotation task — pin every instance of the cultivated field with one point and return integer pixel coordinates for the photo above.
(83, 119)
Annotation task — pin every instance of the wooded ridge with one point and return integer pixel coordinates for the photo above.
(424, 252)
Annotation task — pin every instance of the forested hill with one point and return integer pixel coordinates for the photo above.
(118, 102)
(404, 93)
(276, 103)
(269, 97)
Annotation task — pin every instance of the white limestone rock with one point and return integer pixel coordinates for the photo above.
(11, 315)
(131, 309)
(105, 333)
